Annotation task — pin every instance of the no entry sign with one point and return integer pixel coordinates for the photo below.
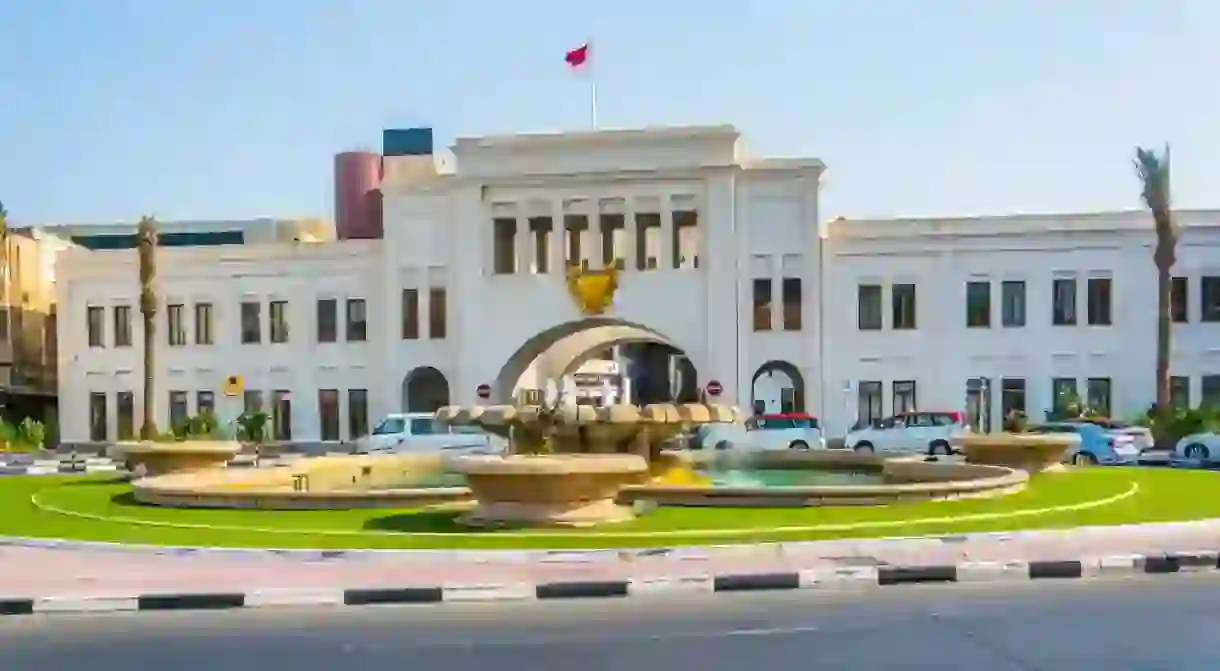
(714, 387)
(483, 390)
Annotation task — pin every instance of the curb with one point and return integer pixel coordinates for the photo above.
(852, 577)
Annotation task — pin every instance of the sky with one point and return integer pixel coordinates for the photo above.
(230, 109)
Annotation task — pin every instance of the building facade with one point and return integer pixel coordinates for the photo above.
(726, 282)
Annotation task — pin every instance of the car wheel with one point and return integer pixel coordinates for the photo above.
(1084, 459)
(722, 445)
(1197, 452)
(864, 448)
(939, 447)
(798, 445)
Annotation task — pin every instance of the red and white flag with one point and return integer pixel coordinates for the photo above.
(576, 58)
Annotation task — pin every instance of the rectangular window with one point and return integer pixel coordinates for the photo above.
(281, 410)
(357, 320)
(1209, 299)
(357, 413)
(1099, 395)
(122, 326)
(178, 409)
(1179, 300)
(410, 314)
(277, 313)
(647, 240)
(1179, 391)
(978, 304)
(685, 239)
(97, 416)
(1064, 395)
(868, 307)
(205, 402)
(175, 319)
(904, 396)
(868, 402)
(902, 301)
(203, 324)
(328, 413)
(614, 241)
(1063, 302)
(576, 243)
(1100, 307)
(95, 318)
(791, 290)
(126, 407)
(437, 314)
(504, 246)
(328, 319)
(540, 230)
(251, 328)
(1211, 391)
(762, 304)
(251, 401)
(1012, 303)
(1012, 397)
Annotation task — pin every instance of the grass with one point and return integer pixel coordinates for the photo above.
(1164, 495)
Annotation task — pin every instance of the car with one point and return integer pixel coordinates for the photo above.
(1196, 449)
(1095, 444)
(777, 431)
(1141, 435)
(420, 432)
(909, 432)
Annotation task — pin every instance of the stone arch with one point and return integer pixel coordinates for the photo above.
(424, 389)
(772, 394)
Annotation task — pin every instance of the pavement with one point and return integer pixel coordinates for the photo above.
(1145, 624)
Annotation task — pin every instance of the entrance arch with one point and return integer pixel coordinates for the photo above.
(424, 389)
(778, 386)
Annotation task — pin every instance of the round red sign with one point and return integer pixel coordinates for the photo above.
(714, 387)
(483, 390)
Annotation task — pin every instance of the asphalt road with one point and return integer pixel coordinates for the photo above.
(1149, 624)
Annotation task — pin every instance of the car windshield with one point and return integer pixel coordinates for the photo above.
(772, 423)
(390, 426)
(466, 430)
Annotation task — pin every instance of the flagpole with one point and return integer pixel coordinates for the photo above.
(592, 87)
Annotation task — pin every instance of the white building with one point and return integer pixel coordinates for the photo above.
(191, 233)
(723, 259)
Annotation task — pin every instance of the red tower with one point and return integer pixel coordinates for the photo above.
(358, 196)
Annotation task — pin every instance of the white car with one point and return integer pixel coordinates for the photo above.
(420, 432)
(783, 431)
(911, 432)
(1197, 449)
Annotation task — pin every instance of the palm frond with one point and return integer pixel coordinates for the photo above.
(1153, 172)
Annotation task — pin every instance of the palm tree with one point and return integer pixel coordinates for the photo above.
(1153, 172)
(146, 242)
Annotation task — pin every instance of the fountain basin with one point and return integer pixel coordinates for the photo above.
(189, 455)
(1032, 453)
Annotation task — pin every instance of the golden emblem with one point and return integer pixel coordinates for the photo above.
(593, 290)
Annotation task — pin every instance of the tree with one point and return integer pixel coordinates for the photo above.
(146, 243)
(1153, 172)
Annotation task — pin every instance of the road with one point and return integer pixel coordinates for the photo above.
(1148, 624)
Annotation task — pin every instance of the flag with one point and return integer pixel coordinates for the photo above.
(578, 56)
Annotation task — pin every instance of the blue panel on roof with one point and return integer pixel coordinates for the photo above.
(406, 142)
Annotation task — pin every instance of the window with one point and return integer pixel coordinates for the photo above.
(647, 240)
(96, 323)
(1179, 300)
(1012, 397)
(1209, 299)
(175, 322)
(504, 246)
(203, 323)
(685, 239)
(328, 319)
(437, 313)
(178, 410)
(540, 230)
(762, 304)
(978, 305)
(328, 412)
(4, 315)
(281, 410)
(1063, 302)
(868, 307)
(357, 413)
(410, 314)
(1099, 291)
(903, 303)
(126, 407)
(1099, 395)
(122, 326)
(791, 290)
(1012, 303)
(904, 396)
(614, 241)
(576, 243)
(97, 416)
(390, 426)
(1065, 399)
(423, 426)
(868, 402)
(357, 320)
(251, 329)
(1211, 391)
(251, 401)
(1179, 391)
(277, 314)
(205, 402)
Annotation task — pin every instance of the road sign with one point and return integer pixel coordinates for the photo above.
(714, 387)
(484, 391)
(233, 385)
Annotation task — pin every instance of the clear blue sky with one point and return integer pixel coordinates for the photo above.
(233, 108)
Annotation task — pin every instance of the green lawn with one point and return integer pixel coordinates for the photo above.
(1164, 495)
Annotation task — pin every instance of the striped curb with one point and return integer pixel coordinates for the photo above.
(847, 577)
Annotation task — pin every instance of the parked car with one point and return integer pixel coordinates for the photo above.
(420, 432)
(1095, 444)
(780, 431)
(1197, 449)
(930, 432)
(1140, 435)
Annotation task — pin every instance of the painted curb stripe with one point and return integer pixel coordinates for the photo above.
(368, 597)
(750, 582)
(898, 575)
(201, 601)
(581, 590)
(1056, 569)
